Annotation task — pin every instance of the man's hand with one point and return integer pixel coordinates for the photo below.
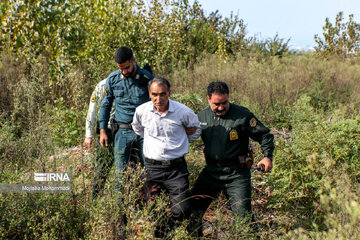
(267, 164)
(88, 141)
(190, 130)
(103, 138)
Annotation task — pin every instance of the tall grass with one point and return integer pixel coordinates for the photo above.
(268, 86)
(313, 100)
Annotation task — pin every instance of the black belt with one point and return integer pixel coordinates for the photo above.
(115, 126)
(227, 162)
(120, 125)
(165, 162)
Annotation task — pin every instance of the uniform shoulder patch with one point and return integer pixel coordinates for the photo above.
(93, 98)
(253, 122)
(233, 135)
(105, 92)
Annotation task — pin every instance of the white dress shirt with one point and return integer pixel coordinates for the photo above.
(94, 105)
(164, 134)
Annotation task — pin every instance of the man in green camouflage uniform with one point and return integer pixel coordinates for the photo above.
(226, 129)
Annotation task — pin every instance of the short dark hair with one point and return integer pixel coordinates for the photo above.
(123, 54)
(217, 87)
(159, 81)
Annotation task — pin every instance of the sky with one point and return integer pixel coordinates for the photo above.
(298, 20)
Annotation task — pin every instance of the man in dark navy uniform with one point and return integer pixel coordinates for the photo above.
(128, 88)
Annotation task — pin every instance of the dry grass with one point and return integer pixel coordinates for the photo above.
(271, 83)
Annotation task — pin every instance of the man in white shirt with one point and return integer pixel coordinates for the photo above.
(104, 156)
(167, 128)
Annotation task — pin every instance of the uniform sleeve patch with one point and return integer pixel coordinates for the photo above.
(253, 122)
(105, 92)
(233, 135)
(93, 98)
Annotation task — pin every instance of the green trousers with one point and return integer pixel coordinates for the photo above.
(233, 182)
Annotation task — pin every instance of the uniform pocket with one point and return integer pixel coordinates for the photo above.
(138, 97)
(140, 92)
(118, 93)
(119, 96)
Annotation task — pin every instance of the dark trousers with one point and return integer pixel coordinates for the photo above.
(236, 186)
(103, 163)
(174, 180)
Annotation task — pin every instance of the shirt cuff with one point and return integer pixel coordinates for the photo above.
(88, 134)
(103, 125)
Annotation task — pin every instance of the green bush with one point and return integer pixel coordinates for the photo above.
(317, 146)
(339, 208)
(66, 124)
(193, 101)
(41, 216)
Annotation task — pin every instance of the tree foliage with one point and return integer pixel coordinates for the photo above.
(163, 31)
(64, 44)
(340, 38)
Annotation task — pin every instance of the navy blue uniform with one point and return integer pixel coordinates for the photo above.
(128, 93)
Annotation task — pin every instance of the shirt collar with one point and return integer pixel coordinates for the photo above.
(171, 106)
